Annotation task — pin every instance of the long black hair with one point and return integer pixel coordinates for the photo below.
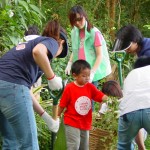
(129, 33)
(78, 10)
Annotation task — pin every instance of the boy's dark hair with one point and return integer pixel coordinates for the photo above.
(79, 65)
(72, 16)
(127, 34)
(142, 61)
(112, 88)
(32, 30)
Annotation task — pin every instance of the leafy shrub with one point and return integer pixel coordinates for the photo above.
(108, 122)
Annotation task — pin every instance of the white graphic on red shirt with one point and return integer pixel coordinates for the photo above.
(83, 105)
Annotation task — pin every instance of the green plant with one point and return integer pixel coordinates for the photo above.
(44, 135)
(108, 122)
(16, 15)
(147, 143)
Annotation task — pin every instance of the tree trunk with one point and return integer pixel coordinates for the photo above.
(40, 3)
(112, 13)
(135, 12)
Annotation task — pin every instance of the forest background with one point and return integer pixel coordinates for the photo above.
(107, 15)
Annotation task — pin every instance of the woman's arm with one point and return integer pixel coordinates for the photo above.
(68, 68)
(98, 58)
(71, 57)
(52, 124)
(104, 98)
(40, 53)
(37, 107)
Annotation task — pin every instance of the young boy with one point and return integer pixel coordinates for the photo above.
(77, 102)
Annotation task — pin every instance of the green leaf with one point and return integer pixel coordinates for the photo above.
(36, 18)
(13, 39)
(37, 10)
(60, 143)
(25, 5)
(22, 19)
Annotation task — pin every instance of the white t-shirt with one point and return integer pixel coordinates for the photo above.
(136, 91)
(30, 37)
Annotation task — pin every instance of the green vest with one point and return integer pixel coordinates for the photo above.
(104, 68)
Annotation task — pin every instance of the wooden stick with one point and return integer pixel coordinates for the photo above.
(55, 112)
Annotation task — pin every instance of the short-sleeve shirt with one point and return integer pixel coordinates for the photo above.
(18, 65)
(78, 101)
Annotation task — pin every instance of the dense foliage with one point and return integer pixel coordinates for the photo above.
(107, 15)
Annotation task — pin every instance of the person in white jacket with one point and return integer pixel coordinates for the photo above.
(135, 104)
(112, 88)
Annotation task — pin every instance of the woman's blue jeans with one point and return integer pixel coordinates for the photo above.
(96, 85)
(17, 120)
(129, 125)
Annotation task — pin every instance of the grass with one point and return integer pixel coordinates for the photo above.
(147, 143)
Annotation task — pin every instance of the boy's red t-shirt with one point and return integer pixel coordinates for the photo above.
(78, 103)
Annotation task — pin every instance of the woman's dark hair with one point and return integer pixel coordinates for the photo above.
(32, 30)
(112, 88)
(73, 14)
(79, 65)
(129, 33)
(52, 29)
(141, 62)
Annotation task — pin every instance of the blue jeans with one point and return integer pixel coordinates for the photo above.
(17, 120)
(96, 85)
(129, 125)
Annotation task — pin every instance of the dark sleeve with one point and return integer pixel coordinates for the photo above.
(147, 53)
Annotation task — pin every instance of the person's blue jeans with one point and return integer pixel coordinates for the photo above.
(96, 84)
(17, 120)
(129, 125)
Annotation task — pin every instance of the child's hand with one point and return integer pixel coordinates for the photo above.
(105, 98)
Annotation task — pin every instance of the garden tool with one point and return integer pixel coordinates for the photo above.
(60, 142)
(119, 57)
(56, 96)
(119, 48)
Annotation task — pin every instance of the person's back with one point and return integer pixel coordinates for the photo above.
(18, 65)
(136, 88)
(135, 105)
(17, 121)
